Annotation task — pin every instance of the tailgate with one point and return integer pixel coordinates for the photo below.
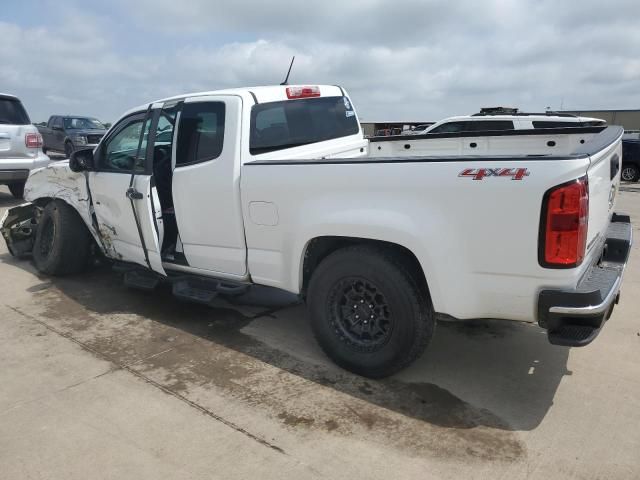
(12, 141)
(605, 155)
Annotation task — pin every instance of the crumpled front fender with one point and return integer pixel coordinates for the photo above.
(18, 229)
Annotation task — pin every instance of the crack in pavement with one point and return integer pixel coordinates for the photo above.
(148, 380)
(64, 389)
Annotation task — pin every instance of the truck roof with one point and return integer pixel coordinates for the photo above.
(8, 96)
(259, 94)
(528, 116)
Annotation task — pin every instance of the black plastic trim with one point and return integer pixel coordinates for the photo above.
(369, 160)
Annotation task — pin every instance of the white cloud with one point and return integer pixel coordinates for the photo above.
(417, 60)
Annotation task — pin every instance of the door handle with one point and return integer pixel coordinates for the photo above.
(133, 194)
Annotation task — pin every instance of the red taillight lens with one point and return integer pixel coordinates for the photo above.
(565, 216)
(302, 92)
(33, 140)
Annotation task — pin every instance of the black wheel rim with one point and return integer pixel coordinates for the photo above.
(47, 235)
(628, 174)
(360, 314)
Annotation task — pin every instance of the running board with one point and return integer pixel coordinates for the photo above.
(141, 279)
(185, 287)
(203, 290)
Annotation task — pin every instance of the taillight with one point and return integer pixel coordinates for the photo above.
(33, 140)
(563, 226)
(302, 92)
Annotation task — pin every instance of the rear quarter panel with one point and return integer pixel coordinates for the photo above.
(477, 240)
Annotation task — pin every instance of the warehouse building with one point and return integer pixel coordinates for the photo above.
(629, 119)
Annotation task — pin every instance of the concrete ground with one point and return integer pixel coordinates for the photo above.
(100, 382)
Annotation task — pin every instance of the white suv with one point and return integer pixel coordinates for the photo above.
(20, 145)
(510, 119)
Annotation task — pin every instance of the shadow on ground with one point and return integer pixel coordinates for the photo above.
(497, 374)
(7, 200)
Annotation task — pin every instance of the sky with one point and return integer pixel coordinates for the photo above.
(409, 60)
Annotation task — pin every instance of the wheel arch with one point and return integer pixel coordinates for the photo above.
(318, 248)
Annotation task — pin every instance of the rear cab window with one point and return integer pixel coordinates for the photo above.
(12, 112)
(293, 123)
(201, 132)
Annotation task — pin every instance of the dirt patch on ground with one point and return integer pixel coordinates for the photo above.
(191, 349)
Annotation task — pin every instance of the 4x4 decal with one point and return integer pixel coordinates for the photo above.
(481, 173)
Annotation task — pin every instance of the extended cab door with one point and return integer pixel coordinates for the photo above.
(206, 185)
(57, 134)
(121, 191)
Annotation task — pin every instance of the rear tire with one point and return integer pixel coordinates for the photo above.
(630, 173)
(17, 189)
(368, 313)
(62, 245)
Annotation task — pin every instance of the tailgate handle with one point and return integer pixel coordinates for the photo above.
(615, 166)
(5, 135)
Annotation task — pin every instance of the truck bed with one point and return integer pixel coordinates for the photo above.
(471, 221)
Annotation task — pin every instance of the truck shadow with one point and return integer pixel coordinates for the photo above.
(496, 374)
(7, 200)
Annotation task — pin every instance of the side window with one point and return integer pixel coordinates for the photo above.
(552, 124)
(57, 122)
(483, 125)
(201, 132)
(451, 127)
(121, 150)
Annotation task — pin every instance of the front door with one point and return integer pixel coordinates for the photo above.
(121, 190)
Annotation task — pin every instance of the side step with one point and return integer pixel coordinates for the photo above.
(141, 279)
(202, 290)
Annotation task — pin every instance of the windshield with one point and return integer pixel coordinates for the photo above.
(12, 112)
(82, 123)
(292, 123)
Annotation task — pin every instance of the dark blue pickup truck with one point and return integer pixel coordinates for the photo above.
(630, 160)
(67, 133)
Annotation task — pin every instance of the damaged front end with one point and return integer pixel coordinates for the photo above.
(18, 227)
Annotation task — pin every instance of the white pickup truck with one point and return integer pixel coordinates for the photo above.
(274, 186)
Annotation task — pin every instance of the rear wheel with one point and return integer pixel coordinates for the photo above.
(68, 149)
(630, 173)
(17, 189)
(368, 313)
(62, 244)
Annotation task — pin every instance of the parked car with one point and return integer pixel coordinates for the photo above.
(511, 119)
(273, 186)
(493, 131)
(20, 145)
(67, 133)
(631, 160)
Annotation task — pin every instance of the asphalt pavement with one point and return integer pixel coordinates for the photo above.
(102, 382)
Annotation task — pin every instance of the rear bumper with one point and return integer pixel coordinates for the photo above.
(11, 176)
(13, 170)
(575, 317)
